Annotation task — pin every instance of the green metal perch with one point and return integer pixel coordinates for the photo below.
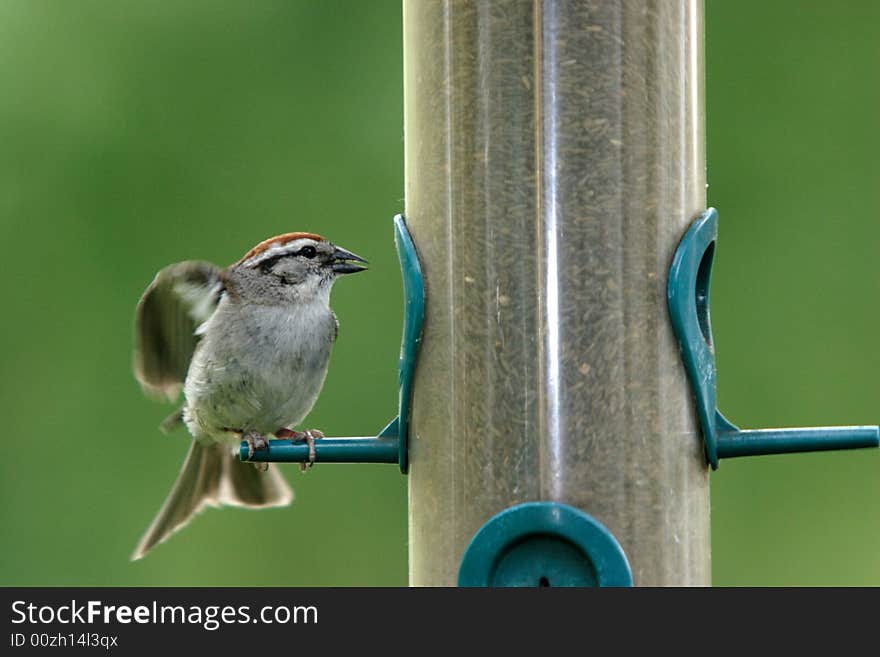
(382, 449)
(688, 296)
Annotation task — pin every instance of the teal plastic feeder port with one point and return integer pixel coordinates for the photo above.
(390, 446)
(544, 544)
(688, 298)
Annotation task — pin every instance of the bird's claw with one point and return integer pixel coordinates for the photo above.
(256, 441)
(309, 436)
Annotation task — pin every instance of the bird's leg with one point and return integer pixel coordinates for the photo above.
(309, 435)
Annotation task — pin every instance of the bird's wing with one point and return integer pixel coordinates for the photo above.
(176, 303)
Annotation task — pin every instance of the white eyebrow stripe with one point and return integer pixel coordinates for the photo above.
(279, 250)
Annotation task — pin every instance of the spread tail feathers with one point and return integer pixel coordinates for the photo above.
(212, 476)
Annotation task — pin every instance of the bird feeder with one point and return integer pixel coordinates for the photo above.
(560, 422)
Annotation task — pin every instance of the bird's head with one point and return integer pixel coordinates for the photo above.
(292, 267)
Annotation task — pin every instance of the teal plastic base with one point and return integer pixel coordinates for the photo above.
(544, 544)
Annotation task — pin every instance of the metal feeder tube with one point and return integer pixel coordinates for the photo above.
(554, 158)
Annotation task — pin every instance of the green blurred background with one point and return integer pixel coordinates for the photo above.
(137, 134)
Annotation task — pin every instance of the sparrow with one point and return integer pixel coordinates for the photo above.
(249, 346)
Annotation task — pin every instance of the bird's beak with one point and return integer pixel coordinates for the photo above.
(342, 262)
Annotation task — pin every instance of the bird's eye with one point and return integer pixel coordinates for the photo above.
(308, 252)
